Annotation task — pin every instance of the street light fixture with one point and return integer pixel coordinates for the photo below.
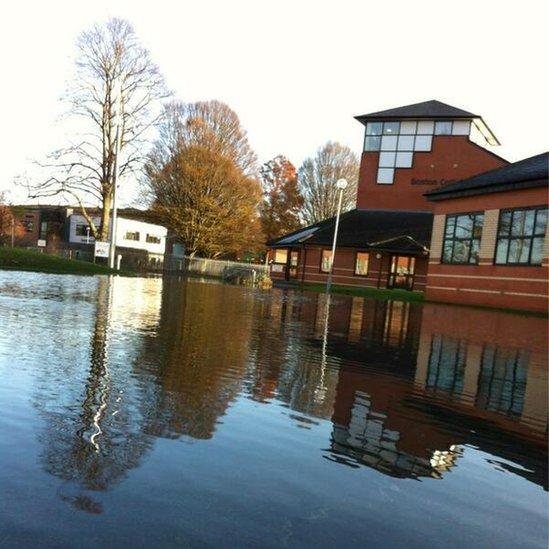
(341, 184)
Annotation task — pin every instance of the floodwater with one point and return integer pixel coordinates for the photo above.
(163, 413)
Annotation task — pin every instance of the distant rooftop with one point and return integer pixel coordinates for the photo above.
(430, 110)
(527, 173)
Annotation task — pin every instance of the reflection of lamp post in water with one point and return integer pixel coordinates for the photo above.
(341, 185)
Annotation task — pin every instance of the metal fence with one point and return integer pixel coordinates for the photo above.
(215, 267)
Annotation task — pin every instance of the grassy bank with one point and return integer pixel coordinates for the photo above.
(378, 293)
(19, 259)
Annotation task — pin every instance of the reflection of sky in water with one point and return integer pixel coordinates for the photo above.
(173, 413)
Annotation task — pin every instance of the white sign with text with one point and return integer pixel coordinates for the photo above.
(102, 249)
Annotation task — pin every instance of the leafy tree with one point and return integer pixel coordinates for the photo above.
(10, 226)
(116, 84)
(317, 181)
(282, 202)
(199, 179)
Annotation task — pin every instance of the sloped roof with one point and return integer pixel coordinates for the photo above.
(426, 109)
(367, 229)
(527, 173)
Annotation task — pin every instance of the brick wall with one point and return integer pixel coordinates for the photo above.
(451, 158)
(506, 286)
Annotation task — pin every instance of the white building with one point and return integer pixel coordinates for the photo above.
(130, 233)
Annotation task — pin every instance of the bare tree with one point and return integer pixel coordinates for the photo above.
(115, 81)
(317, 181)
(212, 125)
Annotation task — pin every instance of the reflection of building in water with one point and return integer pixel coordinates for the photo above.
(367, 440)
(498, 364)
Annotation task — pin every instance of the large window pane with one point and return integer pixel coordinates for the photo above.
(374, 128)
(461, 127)
(443, 128)
(537, 250)
(326, 261)
(361, 265)
(281, 256)
(425, 127)
(504, 223)
(461, 251)
(385, 175)
(404, 159)
(387, 159)
(517, 223)
(408, 127)
(389, 143)
(464, 226)
(391, 128)
(514, 250)
(462, 238)
(447, 251)
(406, 143)
(423, 143)
(501, 252)
(541, 222)
(372, 143)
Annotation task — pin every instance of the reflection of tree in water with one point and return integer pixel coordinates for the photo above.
(94, 421)
(199, 356)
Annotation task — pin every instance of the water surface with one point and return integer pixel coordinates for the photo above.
(162, 413)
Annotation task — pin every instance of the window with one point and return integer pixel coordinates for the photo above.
(152, 239)
(443, 128)
(43, 230)
(423, 143)
(81, 229)
(372, 143)
(406, 143)
(385, 176)
(387, 159)
(361, 263)
(404, 159)
(391, 128)
(425, 127)
(281, 256)
(389, 143)
(462, 238)
(28, 222)
(520, 236)
(408, 127)
(374, 128)
(132, 235)
(326, 261)
(461, 127)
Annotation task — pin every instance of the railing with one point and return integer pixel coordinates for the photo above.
(234, 271)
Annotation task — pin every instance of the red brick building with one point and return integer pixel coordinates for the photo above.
(489, 242)
(385, 241)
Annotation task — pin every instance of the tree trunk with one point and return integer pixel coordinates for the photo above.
(105, 218)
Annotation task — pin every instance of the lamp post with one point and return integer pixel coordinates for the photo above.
(341, 185)
(117, 147)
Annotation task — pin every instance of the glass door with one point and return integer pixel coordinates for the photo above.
(402, 272)
(293, 262)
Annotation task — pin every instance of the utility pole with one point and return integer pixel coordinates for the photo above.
(341, 185)
(117, 147)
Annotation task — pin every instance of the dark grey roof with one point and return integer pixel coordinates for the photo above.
(426, 109)
(390, 230)
(527, 173)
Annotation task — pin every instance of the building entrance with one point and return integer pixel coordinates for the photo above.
(402, 271)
